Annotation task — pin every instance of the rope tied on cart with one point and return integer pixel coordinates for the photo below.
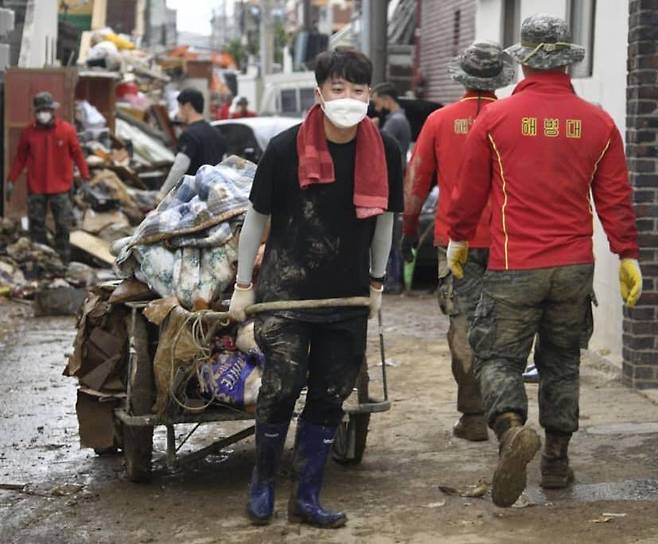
(215, 320)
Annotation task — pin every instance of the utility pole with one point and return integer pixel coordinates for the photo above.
(374, 37)
(307, 21)
(266, 37)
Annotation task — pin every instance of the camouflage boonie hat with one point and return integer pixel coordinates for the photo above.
(44, 101)
(545, 43)
(483, 66)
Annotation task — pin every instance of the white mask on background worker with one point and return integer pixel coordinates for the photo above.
(344, 103)
(44, 117)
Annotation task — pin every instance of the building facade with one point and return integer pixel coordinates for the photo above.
(444, 29)
(640, 351)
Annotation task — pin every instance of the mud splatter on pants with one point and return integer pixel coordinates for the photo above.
(458, 300)
(516, 305)
(326, 356)
(61, 207)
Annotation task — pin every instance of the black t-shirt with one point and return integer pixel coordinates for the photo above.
(203, 144)
(317, 247)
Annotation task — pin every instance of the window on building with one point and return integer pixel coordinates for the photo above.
(511, 30)
(582, 16)
(306, 98)
(289, 101)
(456, 31)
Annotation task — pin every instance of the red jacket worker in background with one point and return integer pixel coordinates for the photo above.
(48, 148)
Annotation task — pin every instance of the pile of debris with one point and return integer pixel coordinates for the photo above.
(127, 168)
(181, 258)
(187, 248)
(34, 271)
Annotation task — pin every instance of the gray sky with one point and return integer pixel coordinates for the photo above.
(194, 15)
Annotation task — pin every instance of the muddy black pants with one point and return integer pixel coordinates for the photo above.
(324, 356)
(513, 308)
(61, 208)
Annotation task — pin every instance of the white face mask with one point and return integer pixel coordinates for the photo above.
(44, 117)
(344, 112)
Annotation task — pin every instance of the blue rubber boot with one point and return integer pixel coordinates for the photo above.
(270, 439)
(312, 446)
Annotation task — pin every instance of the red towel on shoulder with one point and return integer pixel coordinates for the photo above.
(370, 171)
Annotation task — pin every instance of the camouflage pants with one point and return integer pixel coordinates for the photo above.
(62, 210)
(516, 305)
(458, 300)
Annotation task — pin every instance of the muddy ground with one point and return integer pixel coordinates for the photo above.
(74, 496)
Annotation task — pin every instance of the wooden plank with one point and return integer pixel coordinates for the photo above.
(93, 245)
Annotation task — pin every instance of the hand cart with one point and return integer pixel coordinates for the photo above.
(134, 422)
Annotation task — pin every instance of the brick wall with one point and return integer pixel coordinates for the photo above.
(640, 340)
(439, 43)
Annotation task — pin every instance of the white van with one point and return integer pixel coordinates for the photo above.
(289, 95)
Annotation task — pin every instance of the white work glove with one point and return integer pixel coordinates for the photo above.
(242, 298)
(375, 300)
(457, 255)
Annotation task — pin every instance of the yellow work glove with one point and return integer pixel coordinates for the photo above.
(457, 254)
(630, 281)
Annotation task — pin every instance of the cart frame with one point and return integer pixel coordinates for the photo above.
(134, 421)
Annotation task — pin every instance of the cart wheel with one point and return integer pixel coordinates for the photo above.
(137, 451)
(350, 442)
(138, 440)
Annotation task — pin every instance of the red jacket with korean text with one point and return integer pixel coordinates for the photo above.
(541, 156)
(439, 149)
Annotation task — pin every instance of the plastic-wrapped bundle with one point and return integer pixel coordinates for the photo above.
(197, 277)
(186, 247)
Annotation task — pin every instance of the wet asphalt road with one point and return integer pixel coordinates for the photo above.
(51, 491)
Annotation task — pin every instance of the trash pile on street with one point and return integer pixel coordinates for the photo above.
(196, 364)
(187, 247)
(180, 262)
(126, 168)
(28, 269)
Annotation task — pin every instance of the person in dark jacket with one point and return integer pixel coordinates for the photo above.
(199, 144)
(330, 188)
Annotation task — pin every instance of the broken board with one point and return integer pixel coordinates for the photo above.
(96, 247)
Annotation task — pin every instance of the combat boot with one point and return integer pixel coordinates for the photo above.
(555, 470)
(471, 427)
(518, 446)
(270, 439)
(312, 446)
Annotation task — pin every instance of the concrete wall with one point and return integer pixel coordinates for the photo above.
(606, 87)
(39, 43)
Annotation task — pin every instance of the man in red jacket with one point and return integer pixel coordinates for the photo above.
(536, 157)
(481, 68)
(242, 110)
(48, 147)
